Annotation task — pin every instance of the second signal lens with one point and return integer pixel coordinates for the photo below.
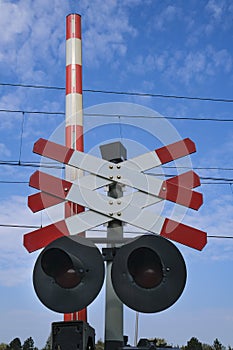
(145, 267)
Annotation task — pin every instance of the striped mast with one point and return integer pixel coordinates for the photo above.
(74, 115)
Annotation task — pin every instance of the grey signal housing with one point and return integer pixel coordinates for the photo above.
(148, 274)
(68, 274)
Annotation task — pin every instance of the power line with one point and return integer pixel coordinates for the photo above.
(30, 112)
(19, 226)
(141, 94)
(217, 183)
(127, 93)
(33, 86)
(214, 119)
(136, 232)
(203, 183)
(227, 180)
(215, 180)
(198, 168)
(224, 237)
(13, 182)
(33, 164)
(52, 165)
(36, 227)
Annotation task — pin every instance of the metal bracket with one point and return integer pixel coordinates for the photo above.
(109, 253)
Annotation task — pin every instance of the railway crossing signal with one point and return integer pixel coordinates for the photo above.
(148, 273)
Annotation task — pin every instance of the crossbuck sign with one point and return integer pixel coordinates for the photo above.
(131, 209)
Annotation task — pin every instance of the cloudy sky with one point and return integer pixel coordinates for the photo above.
(166, 48)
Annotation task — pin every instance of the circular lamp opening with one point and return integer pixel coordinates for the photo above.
(145, 267)
(57, 264)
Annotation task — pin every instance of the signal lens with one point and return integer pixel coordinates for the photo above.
(145, 267)
(57, 264)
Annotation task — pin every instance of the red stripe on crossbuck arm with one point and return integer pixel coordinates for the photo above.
(53, 150)
(184, 234)
(50, 184)
(181, 195)
(41, 200)
(175, 150)
(189, 180)
(42, 237)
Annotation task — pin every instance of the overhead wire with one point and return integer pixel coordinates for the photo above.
(196, 168)
(138, 232)
(52, 165)
(31, 164)
(95, 230)
(127, 93)
(19, 226)
(157, 116)
(215, 180)
(13, 182)
(213, 119)
(30, 112)
(141, 94)
(219, 180)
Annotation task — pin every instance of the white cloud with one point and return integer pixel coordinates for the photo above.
(215, 8)
(106, 30)
(33, 35)
(199, 65)
(185, 66)
(221, 156)
(12, 276)
(15, 267)
(4, 151)
(10, 101)
(220, 15)
(32, 32)
(221, 59)
(14, 21)
(166, 16)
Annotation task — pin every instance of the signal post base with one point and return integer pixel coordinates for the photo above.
(72, 335)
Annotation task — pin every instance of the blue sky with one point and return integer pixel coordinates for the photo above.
(156, 47)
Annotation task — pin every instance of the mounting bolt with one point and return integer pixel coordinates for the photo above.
(164, 188)
(118, 166)
(110, 214)
(110, 166)
(119, 176)
(110, 202)
(118, 214)
(110, 177)
(66, 189)
(118, 202)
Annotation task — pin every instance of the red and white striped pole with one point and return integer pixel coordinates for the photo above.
(74, 114)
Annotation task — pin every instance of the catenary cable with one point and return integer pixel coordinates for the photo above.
(207, 119)
(94, 230)
(127, 93)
